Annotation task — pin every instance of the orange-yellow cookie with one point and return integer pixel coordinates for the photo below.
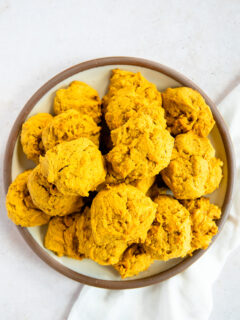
(193, 170)
(141, 149)
(121, 212)
(134, 260)
(68, 126)
(46, 196)
(105, 254)
(170, 234)
(61, 236)
(185, 110)
(203, 216)
(215, 175)
(20, 207)
(113, 179)
(129, 96)
(31, 135)
(75, 167)
(81, 97)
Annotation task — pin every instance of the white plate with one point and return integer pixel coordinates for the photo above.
(98, 78)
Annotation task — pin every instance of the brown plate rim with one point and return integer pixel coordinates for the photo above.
(118, 60)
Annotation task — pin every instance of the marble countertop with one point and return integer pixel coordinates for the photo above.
(41, 38)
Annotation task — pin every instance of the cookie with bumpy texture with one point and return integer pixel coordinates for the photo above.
(75, 167)
(193, 170)
(112, 179)
(134, 260)
(46, 196)
(68, 126)
(203, 216)
(215, 175)
(61, 236)
(141, 149)
(129, 96)
(170, 234)
(20, 207)
(128, 105)
(185, 110)
(106, 254)
(121, 79)
(121, 212)
(191, 144)
(81, 97)
(31, 135)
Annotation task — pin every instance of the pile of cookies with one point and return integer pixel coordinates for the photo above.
(120, 180)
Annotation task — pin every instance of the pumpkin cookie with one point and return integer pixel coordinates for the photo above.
(131, 95)
(81, 97)
(31, 135)
(185, 110)
(20, 207)
(170, 234)
(113, 179)
(215, 175)
(68, 126)
(61, 236)
(134, 260)
(193, 170)
(105, 254)
(141, 149)
(46, 196)
(75, 167)
(203, 217)
(121, 212)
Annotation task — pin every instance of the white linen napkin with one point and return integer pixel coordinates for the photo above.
(188, 295)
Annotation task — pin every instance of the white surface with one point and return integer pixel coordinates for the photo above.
(39, 39)
(99, 79)
(188, 295)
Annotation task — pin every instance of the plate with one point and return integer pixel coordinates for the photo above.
(96, 73)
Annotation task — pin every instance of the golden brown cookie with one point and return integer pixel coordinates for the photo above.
(127, 105)
(203, 217)
(193, 170)
(31, 135)
(141, 149)
(187, 178)
(205, 121)
(20, 207)
(121, 212)
(113, 179)
(61, 236)
(121, 79)
(170, 234)
(68, 126)
(185, 110)
(105, 254)
(134, 260)
(215, 175)
(47, 198)
(131, 95)
(81, 97)
(191, 144)
(75, 167)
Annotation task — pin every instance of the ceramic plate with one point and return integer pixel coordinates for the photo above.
(96, 73)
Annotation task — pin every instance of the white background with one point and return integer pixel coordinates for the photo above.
(41, 38)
